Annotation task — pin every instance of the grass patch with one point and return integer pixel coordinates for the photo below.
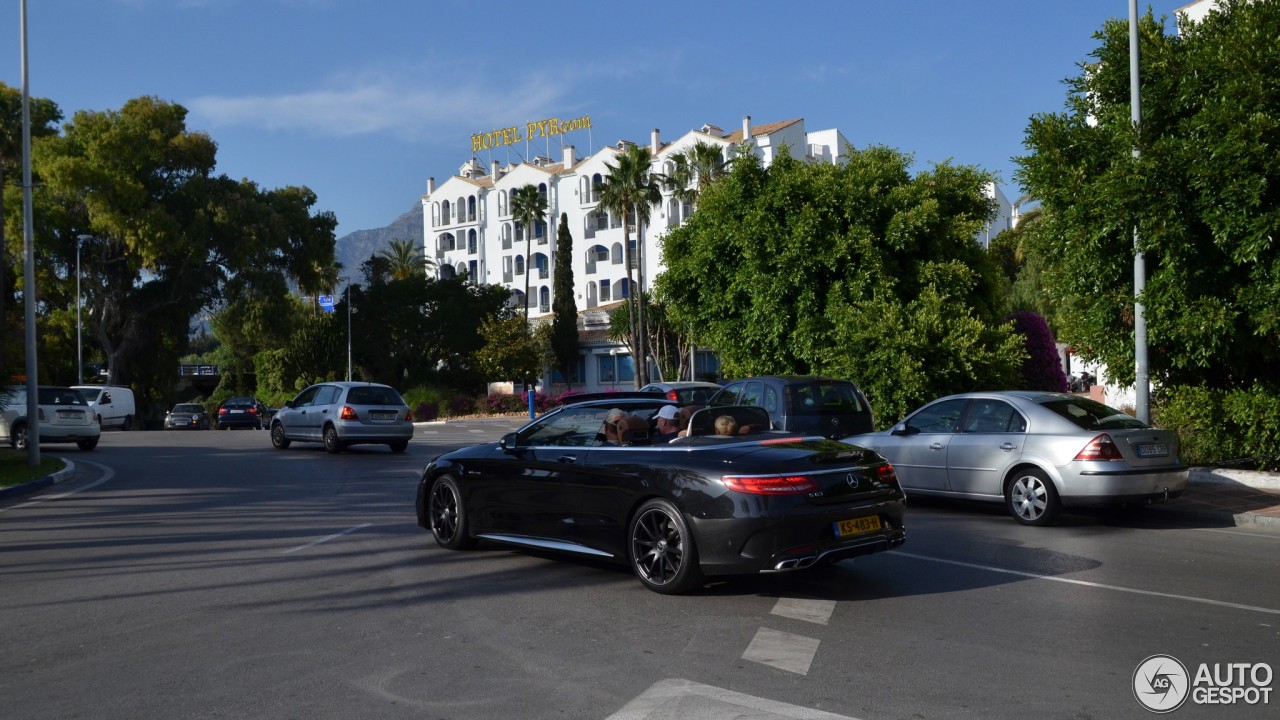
(14, 469)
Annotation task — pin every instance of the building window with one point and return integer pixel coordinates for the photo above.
(604, 291)
(506, 236)
(613, 369)
(616, 254)
(471, 209)
(519, 265)
(502, 203)
(446, 213)
(577, 372)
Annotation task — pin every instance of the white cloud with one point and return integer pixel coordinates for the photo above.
(357, 107)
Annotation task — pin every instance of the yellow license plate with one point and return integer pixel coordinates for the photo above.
(845, 528)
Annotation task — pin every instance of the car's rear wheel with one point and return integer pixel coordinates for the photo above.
(277, 437)
(1031, 498)
(331, 442)
(87, 443)
(448, 515)
(398, 446)
(18, 436)
(127, 425)
(662, 551)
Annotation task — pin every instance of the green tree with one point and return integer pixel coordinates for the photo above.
(406, 258)
(631, 190)
(510, 351)
(564, 326)
(528, 207)
(857, 270)
(1204, 195)
(44, 115)
(168, 238)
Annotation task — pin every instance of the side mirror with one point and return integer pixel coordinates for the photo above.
(903, 429)
(510, 441)
(288, 404)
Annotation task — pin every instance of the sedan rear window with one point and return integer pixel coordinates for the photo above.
(824, 398)
(1092, 415)
(373, 396)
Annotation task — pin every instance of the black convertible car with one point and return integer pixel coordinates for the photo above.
(593, 478)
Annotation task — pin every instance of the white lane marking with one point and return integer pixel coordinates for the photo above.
(676, 698)
(785, 651)
(814, 611)
(1086, 583)
(313, 543)
(478, 430)
(107, 474)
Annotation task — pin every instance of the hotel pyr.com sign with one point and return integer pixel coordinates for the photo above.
(534, 129)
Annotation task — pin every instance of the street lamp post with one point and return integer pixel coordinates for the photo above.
(79, 332)
(348, 281)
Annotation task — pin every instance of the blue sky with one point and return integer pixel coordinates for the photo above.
(362, 100)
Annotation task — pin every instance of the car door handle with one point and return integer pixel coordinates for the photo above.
(568, 459)
(935, 446)
(1008, 446)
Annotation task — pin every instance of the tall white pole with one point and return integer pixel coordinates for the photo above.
(79, 327)
(1142, 374)
(29, 264)
(348, 329)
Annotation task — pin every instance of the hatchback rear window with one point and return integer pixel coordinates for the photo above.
(1092, 415)
(61, 396)
(373, 396)
(824, 398)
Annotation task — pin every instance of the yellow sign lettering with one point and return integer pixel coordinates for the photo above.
(536, 128)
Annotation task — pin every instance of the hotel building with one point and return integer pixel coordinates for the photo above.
(469, 228)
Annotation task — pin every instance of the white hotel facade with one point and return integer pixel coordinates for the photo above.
(469, 228)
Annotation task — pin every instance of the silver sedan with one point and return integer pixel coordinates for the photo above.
(1033, 451)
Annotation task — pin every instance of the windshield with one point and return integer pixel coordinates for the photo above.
(188, 408)
(824, 398)
(1092, 415)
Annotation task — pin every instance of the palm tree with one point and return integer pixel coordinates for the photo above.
(633, 188)
(528, 207)
(406, 259)
(707, 163)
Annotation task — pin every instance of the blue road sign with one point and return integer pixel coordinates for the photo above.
(326, 303)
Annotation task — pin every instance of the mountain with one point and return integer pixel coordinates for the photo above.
(354, 248)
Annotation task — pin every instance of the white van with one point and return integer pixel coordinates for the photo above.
(113, 404)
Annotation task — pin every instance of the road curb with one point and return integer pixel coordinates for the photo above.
(1227, 476)
(38, 484)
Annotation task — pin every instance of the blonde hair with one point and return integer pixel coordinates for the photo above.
(726, 425)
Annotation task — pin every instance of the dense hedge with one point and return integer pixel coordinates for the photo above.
(1238, 428)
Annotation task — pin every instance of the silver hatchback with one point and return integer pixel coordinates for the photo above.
(339, 414)
(1033, 451)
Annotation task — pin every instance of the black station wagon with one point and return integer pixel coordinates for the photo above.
(803, 404)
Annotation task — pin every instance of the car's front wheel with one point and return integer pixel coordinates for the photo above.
(448, 515)
(662, 551)
(18, 436)
(1031, 498)
(87, 443)
(331, 442)
(277, 437)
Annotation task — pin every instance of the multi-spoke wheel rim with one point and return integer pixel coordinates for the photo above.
(277, 435)
(657, 546)
(444, 512)
(1030, 497)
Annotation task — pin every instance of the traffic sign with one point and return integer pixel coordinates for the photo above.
(326, 303)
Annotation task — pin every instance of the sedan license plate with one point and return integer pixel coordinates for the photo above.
(237, 412)
(383, 415)
(1153, 449)
(70, 414)
(857, 526)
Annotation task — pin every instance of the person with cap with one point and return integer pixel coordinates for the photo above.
(610, 434)
(667, 423)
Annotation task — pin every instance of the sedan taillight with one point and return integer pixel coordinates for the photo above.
(770, 484)
(1100, 448)
(671, 395)
(887, 475)
(348, 413)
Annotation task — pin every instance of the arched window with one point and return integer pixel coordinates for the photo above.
(624, 289)
(544, 299)
(596, 181)
(435, 213)
(616, 254)
(673, 212)
(471, 208)
(446, 215)
(517, 298)
(502, 203)
(462, 268)
(461, 209)
(591, 294)
(471, 241)
(519, 265)
(506, 236)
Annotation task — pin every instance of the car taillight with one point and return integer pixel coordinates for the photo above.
(408, 415)
(886, 474)
(253, 410)
(1100, 448)
(348, 413)
(770, 484)
(671, 395)
(222, 411)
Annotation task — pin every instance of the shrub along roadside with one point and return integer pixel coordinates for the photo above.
(14, 469)
(1224, 428)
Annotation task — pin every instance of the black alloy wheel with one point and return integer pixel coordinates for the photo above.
(331, 442)
(18, 436)
(662, 551)
(277, 437)
(447, 514)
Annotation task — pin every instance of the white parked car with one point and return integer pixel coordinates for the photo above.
(64, 417)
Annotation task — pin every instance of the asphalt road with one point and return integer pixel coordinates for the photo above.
(207, 575)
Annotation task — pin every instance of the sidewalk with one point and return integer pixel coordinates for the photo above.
(1234, 497)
